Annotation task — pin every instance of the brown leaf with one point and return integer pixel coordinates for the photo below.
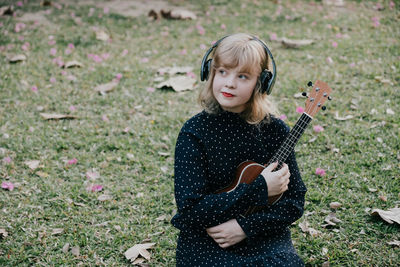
(331, 220)
(73, 64)
(3, 233)
(6, 10)
(347, 117)
(16, 58)
(107, 87)
(175, 70)
(75, 251)
(390, 215)
(57, 231)
(53, 116)
(182, 14)
(304, 226)
(178, 83)
(383, 198)
(32, 164)
(65, 248)
(335, 205)
(102, 35)
(42, 174)
(292, 43)
(394, 243)
(104, 197)
(139, 249)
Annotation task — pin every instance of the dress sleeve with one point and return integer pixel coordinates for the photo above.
(198, 208)
(282, 214)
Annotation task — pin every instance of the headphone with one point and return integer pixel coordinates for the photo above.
(267, 78)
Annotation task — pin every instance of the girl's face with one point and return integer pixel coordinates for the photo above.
(233, 88)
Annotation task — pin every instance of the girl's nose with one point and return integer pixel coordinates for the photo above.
(230, 81)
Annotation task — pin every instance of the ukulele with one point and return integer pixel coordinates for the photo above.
(249, 170)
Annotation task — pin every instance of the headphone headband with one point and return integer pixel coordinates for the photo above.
(267, 78)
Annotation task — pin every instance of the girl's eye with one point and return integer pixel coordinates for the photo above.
(242, 76)
(222, 71)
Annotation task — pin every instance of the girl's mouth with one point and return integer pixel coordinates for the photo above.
(227, 94)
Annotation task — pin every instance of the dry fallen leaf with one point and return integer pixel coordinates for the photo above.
(383, 80)
(178, 83)
(139, 249)
(73, 64)
(6, 10)
(331, 220)
(65, 248)
(337, 117)
(32, 164)
(304, 226)
(53, 116)
(75, 251)
(390, 215)
(102, 35)
(57, 231)
(42, 174)
(3, 233)
(292, 43)
(181, 14)
(394, 243)
(107, 87)
(335, 205)
(104, 197)
(16, 58)
(383, 198)
(175, 70)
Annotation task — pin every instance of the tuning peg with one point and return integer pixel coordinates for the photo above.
(309, 84)
(323, 108)
(304, 94)
(329, 98)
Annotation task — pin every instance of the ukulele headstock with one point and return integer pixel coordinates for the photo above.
(317, 97)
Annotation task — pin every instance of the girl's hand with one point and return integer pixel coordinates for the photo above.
(277, 181)
(227, 234)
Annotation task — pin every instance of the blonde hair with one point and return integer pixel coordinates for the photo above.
(240, 50)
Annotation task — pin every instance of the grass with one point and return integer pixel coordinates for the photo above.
(132, 148)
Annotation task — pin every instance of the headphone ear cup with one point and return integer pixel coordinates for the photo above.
(265, 77)
(205, 70)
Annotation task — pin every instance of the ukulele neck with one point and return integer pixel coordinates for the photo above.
(291, 140)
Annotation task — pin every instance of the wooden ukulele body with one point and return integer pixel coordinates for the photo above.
(247, 172)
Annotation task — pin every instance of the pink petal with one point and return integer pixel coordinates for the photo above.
(191, 75)
(124, 52)
(51, 42)
(352, 65)
(223, 26)
(203, 46)
(106, 10)
(7, 185)
(19, 3)
(318, 128)
(299, 109)
(53, 51)
(92, 175)
(71, 46)
(320, 172)
(105, 56)
(105, 118)
(53, 80)
(329, 60)
(7, 160)
(95, 188)
(72, 161)
(126, 130)
(34, 88)
(72, 108)
(68, 51)
(273, 37)
(118, 76)
(334, 44)
(183, 52)
(283, 117)
(150, 89)
(144, 60)
(391, 4)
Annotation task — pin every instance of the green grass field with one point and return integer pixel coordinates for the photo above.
(124, 140)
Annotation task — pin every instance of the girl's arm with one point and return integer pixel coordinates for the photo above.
(283, 213)
(197, 207)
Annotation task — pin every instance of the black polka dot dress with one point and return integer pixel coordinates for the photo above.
(208, 150)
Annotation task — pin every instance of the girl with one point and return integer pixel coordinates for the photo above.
(237, 124)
